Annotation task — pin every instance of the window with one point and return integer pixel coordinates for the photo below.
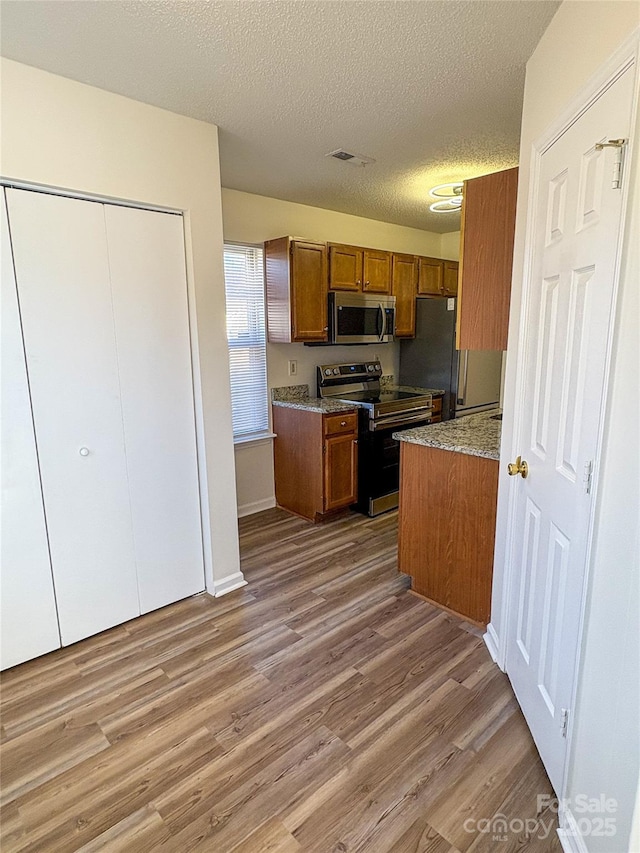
(246, 333)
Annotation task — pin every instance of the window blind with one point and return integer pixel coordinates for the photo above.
(246, 334)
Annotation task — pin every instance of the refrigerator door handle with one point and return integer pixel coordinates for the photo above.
(465, 376)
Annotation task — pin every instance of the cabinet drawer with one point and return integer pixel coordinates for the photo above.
(340, 423)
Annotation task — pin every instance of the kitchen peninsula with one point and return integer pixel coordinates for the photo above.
(448, 497)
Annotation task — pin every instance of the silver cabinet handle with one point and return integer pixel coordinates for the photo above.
(84, 451)
(343, 423)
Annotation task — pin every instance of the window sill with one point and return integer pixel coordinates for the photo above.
(255, 438)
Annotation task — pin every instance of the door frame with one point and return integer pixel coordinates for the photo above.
(196, 380)
(625, 57)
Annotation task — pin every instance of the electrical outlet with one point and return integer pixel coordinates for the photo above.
(293, 367)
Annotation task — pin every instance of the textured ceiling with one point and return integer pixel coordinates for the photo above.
(431, 90)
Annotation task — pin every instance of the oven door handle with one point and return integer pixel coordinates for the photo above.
(392, 423)
(383, 317)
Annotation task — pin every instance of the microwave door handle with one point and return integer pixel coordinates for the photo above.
(383, 315)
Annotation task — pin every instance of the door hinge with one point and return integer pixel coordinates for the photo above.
(564, 722)
(587, 477)
(618, 144)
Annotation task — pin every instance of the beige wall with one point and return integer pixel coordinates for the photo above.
(249, 218)
(450, 246)
(256, 218)
(604, 751)
(63, 134)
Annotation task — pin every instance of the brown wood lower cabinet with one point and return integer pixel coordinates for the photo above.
(316, 461)
(447, 527)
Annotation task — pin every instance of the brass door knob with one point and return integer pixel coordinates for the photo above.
(518, 467)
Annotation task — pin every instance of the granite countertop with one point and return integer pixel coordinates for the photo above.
(475, 435)
(297, 397)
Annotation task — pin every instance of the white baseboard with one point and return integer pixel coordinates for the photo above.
(569, 833)
(491, 642)
(228, 584)
(256, 506)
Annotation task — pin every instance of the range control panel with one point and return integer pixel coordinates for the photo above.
(359, 372)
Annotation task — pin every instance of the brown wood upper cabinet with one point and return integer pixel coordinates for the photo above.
(437, 277)
(359, 270)
(296, 283)
(376, 271)
(486, 259)
(345, 267)
(430, 277)
(404, 286)
(450, 279)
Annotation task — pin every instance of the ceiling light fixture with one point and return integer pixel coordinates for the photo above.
(449, 197)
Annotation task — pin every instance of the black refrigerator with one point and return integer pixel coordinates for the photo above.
(471, 379)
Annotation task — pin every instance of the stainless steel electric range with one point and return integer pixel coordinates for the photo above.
(382, 411)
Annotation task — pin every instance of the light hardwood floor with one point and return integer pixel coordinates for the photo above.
(322, 708)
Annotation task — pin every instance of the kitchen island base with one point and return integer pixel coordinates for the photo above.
(447, 526)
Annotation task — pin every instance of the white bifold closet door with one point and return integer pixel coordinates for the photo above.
(62, 270)
(102, 294)
(149, 287)
(28, 622)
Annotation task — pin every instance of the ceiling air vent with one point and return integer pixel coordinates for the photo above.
(348, 157)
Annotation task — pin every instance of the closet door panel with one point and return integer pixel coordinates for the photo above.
(64, 290)
(148, 279)
(29, 624)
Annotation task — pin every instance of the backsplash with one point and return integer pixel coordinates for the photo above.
(290, 393)
(308, 358)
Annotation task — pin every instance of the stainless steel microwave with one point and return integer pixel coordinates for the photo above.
(361, 318)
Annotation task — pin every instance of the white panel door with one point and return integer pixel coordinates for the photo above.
(62, 272)
(29, 625)
(148, 279)
(574, 251)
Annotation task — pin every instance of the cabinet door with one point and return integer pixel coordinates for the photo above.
(340, 471)
(488, 224)
(149, 287)
(62, 271)
(345, 268)
(308, 291)
(404, 287)
(450, 284)
(376, 272)
(29, 623)
(430, 277)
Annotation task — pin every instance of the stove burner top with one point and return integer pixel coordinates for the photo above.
(360, 384)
